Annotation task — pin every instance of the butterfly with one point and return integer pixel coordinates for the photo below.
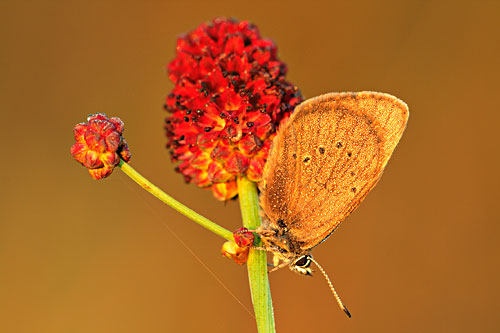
(323, 162)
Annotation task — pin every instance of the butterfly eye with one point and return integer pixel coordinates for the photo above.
(303, 261)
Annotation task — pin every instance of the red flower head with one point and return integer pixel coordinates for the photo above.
(229, 97)
(99, 144)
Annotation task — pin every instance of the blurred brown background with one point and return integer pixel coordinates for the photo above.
(421, 254)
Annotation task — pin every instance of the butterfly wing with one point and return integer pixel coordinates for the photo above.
(326, 159)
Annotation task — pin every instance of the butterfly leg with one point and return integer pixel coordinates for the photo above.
(283, 264)
(264, 233)
(276, 261)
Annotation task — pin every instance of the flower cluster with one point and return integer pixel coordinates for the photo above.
(99, 144)
(230, 95)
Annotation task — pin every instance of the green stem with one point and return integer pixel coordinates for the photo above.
(191, 214)
(257, 260)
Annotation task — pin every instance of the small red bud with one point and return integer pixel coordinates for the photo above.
(232, 251)
(243, 237)
(100, 145)
(240, 248)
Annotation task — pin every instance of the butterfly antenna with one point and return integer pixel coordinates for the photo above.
(339, 301)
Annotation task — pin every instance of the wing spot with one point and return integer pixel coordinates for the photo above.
(339, 144)
(294, 156)
(353, 190)
(353, 173)
(349, 154)
(321, 150)
(307, 159)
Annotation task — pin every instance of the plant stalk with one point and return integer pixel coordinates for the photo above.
(257, 260)
(184, 210)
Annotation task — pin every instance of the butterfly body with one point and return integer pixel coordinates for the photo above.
(324, 161)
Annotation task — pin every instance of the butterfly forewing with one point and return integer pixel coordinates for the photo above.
(325, 159)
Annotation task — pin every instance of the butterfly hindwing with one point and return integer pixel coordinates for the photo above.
(325, 159)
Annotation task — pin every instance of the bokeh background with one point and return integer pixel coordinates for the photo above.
(421, 254)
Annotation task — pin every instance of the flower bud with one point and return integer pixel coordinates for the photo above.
(243, 237)
(100, 145)
(232, 251)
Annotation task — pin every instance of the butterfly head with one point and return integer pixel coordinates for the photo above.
(302, 264)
